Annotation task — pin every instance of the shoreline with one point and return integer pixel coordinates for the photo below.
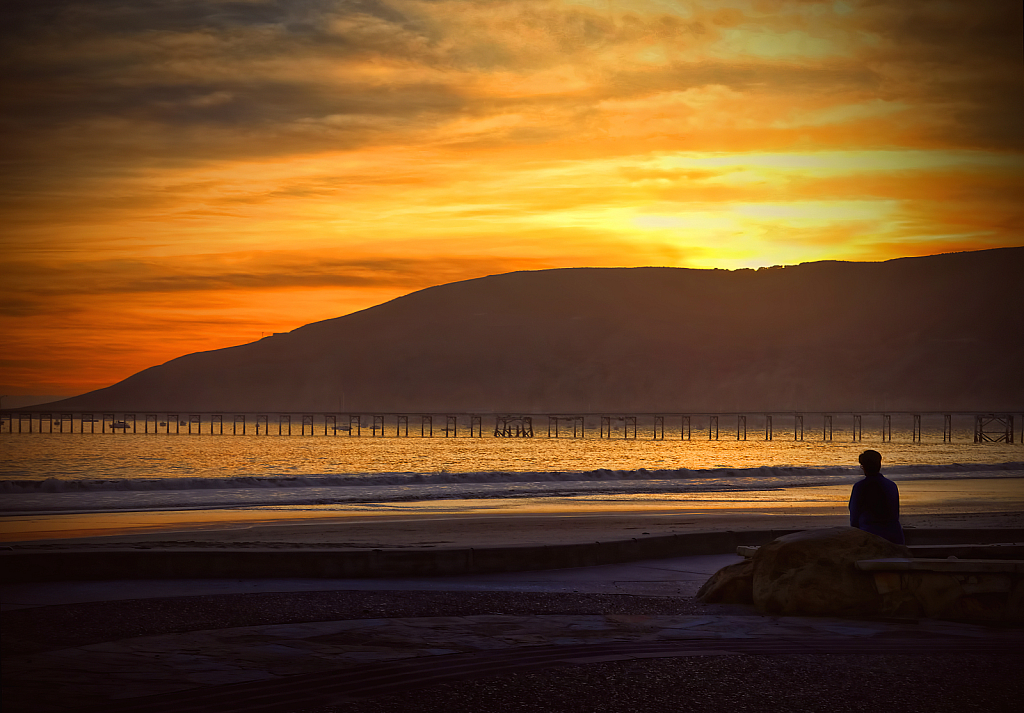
(971, 503)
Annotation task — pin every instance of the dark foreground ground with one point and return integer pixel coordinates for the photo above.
(925, 681)
(821, 682)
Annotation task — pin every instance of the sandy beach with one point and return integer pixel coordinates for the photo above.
(968, 503)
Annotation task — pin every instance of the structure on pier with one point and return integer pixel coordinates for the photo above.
(994, 428)
(513, 427)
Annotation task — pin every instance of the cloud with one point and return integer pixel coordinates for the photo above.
(125, 84)
(182, 156)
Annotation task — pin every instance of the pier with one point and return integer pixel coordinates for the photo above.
(911, 426)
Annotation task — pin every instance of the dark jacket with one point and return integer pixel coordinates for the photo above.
(875, 507)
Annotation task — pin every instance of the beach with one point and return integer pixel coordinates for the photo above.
(966, 503)
(533, 638)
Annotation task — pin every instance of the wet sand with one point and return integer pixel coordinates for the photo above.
(967, 503)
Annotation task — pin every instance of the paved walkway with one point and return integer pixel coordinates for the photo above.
(679, 576)
(287, 666)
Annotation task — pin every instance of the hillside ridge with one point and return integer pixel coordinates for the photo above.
(926, 333)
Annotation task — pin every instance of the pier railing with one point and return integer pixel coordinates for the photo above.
(982, 427)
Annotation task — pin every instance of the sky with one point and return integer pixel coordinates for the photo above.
(185, 175)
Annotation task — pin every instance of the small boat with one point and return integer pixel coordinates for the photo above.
(119, 424)
(182, 423)
(163, 423)
(90, 420)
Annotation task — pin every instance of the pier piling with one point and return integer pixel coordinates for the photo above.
(578, 426)
(988, 428)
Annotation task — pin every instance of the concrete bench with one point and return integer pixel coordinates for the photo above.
(953, 565)
(981, 590)
(995, 551)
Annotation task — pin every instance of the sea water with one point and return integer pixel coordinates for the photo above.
(98, 472)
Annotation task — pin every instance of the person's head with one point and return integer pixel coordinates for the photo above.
(871, 462)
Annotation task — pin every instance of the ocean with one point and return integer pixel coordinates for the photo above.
(109, 472)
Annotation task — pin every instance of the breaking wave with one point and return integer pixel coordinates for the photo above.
(752, 478)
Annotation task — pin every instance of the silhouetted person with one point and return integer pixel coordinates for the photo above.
(875, 501)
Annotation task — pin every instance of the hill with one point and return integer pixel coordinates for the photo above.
(928, 333)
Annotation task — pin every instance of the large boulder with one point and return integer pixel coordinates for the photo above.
(814, 572)
(808, 573)
(733, 584)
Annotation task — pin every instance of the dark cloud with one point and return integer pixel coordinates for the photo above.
(115, 82)
(47, 286)
(124, 17)
(960, 64)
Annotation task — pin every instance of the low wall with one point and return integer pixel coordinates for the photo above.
(165, 563)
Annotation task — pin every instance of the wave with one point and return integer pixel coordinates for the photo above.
(763, 474)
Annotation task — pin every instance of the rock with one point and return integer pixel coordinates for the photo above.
(733, 584)
(1015, 603)
(813, 573)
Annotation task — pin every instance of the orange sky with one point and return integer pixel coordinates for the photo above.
(182, 176)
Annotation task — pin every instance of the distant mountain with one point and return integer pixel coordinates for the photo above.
(929, 333)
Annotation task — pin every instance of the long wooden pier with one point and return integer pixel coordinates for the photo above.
(988, 427)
